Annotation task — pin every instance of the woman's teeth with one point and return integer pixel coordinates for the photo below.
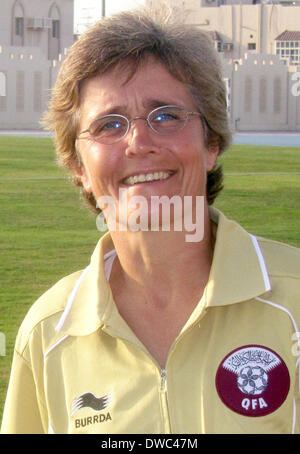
(146, 177)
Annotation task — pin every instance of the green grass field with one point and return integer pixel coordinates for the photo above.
(47, 232)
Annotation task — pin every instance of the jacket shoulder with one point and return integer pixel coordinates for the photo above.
(282, 260)
(48, 306)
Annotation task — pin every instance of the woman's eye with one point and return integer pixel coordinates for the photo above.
(112, 125)
(106, 126)
(166, 116)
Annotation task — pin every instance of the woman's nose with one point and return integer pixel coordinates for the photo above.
(140, 138)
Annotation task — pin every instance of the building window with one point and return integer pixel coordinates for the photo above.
(20, 91)
(55, 28)
(289, 50)
(251, 46)
(54, 32)
(248, 94)
(277, 95)
(18, 31)
(262, 95)
(37, 91)
(19, 26)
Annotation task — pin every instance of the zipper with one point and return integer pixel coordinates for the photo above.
(163, 381)
(164, 401)
(163, 372)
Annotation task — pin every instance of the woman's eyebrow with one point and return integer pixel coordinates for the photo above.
(148, 104)
(155, 103)
(121, 110)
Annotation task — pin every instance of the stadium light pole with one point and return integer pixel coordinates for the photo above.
(103, 8)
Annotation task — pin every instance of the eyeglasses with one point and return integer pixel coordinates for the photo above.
(165, 120)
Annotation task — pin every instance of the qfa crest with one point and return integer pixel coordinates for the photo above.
(253, 380)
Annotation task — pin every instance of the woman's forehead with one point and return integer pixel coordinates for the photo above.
(150, 80)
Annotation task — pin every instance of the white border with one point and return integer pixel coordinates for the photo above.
(70, 301)
(262, 263)
(54, 345)
(278, 306)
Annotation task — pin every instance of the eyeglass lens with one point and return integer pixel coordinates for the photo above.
(164, 120)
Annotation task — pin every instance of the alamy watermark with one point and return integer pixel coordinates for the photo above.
(160, 213)
(2, 84)
(2, 344)
(296, 85)
(296, 345)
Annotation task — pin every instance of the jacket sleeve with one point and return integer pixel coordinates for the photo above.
(22, 410)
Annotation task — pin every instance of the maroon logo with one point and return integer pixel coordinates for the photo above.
(253, 380)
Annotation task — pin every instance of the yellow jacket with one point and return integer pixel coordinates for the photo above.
(234, 368)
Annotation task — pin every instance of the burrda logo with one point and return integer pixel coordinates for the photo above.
(97, 404)
(89, 400)
(253, 380)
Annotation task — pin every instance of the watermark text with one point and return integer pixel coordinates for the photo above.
(160, 213)
(296, 345)
(2, 84)
(2, 344)
(296, 85)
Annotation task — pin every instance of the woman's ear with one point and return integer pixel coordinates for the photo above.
(80, 173)
(211, 155)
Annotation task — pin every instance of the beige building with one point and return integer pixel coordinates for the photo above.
(242, 25)
(34, 37)
(261, 95)
(245, 27)
(259, 45)
(260, 48)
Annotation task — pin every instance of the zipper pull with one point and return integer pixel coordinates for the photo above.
(163, 377)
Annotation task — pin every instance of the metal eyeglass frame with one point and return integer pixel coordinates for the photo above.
(129, 123)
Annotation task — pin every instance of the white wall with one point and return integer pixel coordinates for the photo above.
(29, 69)
(262, 98)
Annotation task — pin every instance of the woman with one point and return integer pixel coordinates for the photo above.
(161, 333)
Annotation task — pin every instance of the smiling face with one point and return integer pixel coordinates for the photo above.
(144, 163)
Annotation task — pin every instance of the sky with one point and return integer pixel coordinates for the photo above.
(90, 10)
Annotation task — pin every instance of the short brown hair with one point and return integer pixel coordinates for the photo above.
(131, 36)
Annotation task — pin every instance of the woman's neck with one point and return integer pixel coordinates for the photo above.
(162, 263)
